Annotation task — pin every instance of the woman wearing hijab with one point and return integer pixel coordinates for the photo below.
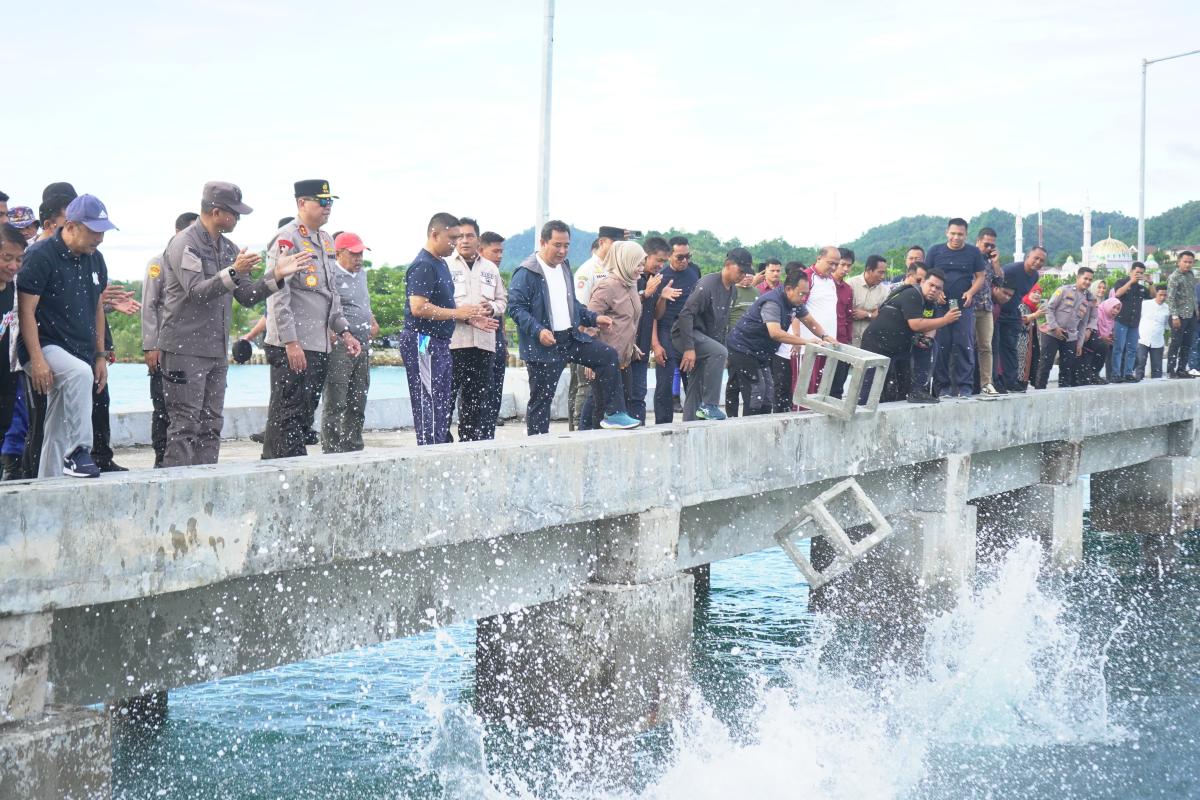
(1028, 349)
(1097, 351)
(617, 297)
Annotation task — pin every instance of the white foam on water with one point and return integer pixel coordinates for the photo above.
(1004, 668)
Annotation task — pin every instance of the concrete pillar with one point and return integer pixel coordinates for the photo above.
(938, 535)
(922, 565)
(1051, 510)
(614, 658)
(702, 581)
(1159, 497)
(45, 751)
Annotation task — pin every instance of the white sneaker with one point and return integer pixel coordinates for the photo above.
(988, 392)
(1195, 373)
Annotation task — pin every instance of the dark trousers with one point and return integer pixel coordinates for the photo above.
(954, 367)
(755, 385)
(1068, 362)
(840, 373)
(496, 390)
(898, 381)
(289, 414)
(471, 377)
(664, 400)
(781, 384)
(922, 366)
(543, 379)
(430, 369)
(1152, 354)
(1181, 345)
(102, 452)
(1096, 353)
(8, 398)
(1004, 346)
(733, 390)
(159, 420)
(635, 398)
(35, 407)
(589, 416)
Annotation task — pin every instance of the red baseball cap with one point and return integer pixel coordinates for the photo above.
(349, 241)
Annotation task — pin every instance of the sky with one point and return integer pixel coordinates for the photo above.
(809, 121)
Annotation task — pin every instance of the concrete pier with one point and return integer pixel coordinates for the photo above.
(45, 751)
(614, 657)
(572, 548)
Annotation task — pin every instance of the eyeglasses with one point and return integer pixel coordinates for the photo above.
(682, 256)
(323, 202)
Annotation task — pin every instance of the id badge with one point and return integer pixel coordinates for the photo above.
(422, 343)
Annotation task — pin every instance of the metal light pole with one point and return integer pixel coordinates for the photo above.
(543, 192)
(1141, 245)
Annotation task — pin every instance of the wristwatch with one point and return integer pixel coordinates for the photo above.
(232, 274)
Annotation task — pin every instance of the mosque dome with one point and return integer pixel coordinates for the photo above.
(1110, 247)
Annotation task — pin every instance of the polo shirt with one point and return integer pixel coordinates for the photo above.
(1021, 281)
(959, 265)
(69, 288)
(428, 276)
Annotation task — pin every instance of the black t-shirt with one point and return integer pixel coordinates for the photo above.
(889, 333)
(8, 322)
(1131, 302)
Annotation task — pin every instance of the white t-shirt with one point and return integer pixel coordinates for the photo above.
(822, 304)
(560, 312)
(1155, 317)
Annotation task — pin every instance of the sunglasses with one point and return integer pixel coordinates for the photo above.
(323, 202)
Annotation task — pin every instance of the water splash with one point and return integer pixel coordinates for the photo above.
(1006, 668)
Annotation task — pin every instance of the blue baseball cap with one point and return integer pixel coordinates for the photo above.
(91, 212)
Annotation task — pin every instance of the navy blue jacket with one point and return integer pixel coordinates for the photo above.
(529, 307)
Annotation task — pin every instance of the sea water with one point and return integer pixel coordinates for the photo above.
(1031, 686)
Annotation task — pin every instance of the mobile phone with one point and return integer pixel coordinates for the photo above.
(953, 304)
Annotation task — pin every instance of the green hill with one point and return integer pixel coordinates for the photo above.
(1062, 234)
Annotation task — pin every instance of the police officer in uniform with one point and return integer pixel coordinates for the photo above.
(202, 273)
(300, 318)
(151, 322)
(1070, 320)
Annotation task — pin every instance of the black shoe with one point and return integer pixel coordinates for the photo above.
(1001, 388)
(311, 437)
(111, 466)
(921, 396)
(10, 468)
(257, 437)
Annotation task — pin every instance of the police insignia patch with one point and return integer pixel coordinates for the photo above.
(310, 281)
(284, 244)
(155, 270)
(303, 231)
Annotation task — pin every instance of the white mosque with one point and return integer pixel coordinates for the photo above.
(1108, 253)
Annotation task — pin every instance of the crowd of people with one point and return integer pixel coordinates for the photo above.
(959, 323)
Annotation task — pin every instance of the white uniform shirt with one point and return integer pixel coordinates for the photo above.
(560, 312)
(1155, 318)
(586, 277)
